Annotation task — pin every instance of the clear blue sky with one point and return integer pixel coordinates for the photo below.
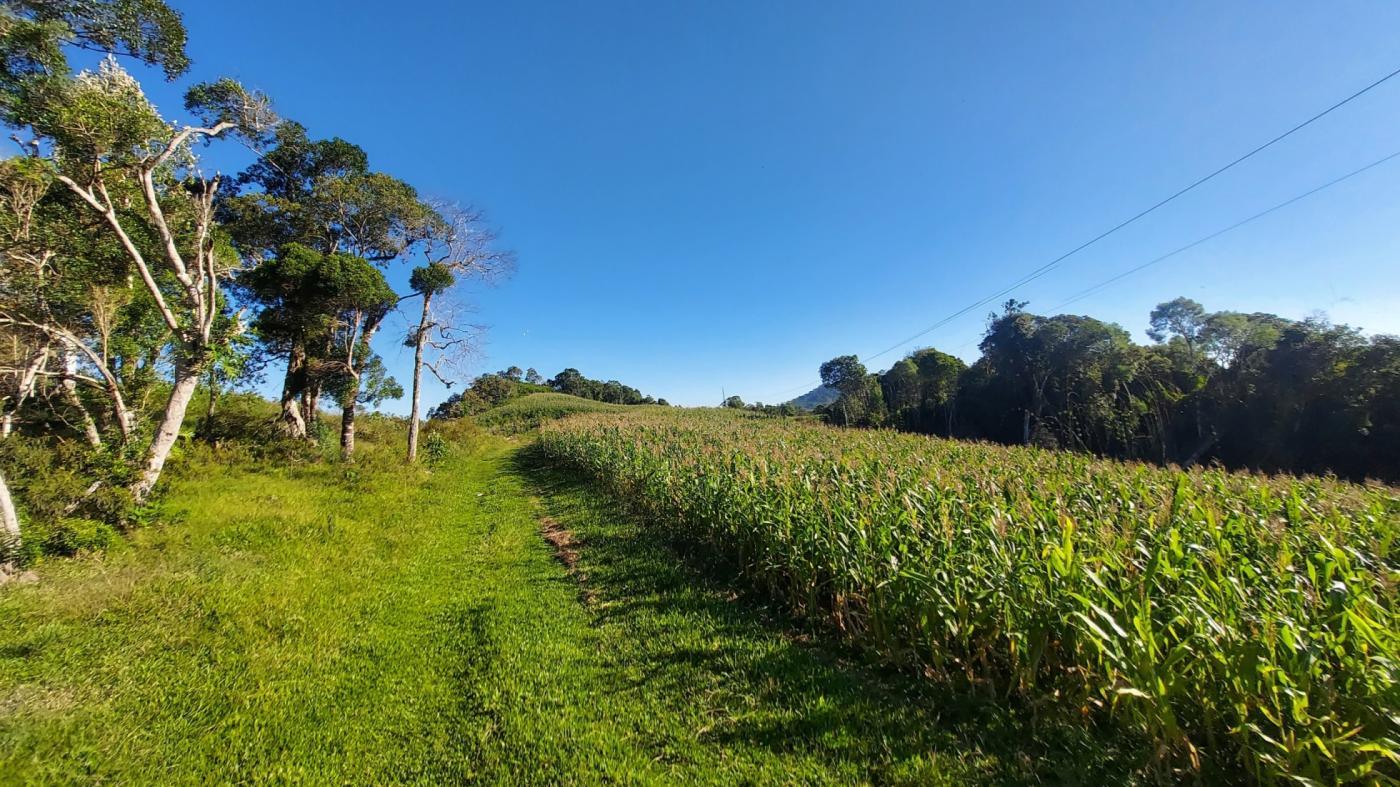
(721, 195)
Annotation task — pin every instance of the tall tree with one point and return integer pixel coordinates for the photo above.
(459, 248)
(1180, 318)
(846, 374)
(139, 177)
(321, 194)
(427, 282)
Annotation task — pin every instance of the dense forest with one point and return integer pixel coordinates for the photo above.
(1254, 391)
(134, 279)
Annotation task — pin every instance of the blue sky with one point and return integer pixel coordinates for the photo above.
(716, 197)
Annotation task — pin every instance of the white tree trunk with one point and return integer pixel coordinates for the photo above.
(186, 380)
(347, 425)
(27, 381)
(420, 338)
(70, 392)
(9, 524)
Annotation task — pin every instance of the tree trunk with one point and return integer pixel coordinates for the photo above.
(9, 524)
(186, 380)
(213, 386)
(293, 386)
(347, 422)
(420, 338)
(27, 381)
(70, 393)
(311, 404)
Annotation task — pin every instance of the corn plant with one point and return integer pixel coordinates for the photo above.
(1245, 625)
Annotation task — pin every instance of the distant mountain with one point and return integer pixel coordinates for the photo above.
(816, 398)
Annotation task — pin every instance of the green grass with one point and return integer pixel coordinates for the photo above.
(323, 623)
(528, 412)
(1245, 625)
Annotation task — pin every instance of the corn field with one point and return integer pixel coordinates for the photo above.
(1243, 627)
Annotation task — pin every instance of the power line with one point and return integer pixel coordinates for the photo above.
(1052, 264)
(1081, 295)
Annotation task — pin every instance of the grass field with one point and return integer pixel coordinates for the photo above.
(372, 624)
(1246, 626)
(529, 412)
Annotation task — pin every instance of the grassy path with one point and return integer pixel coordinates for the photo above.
(387, 625)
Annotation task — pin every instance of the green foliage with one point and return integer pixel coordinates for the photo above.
(52, 478)
(571, 381)
(861, 400)
(101, 116)
(1239, 622)
(35, 33)
(1246, 390)
(486, 392)
(431, 279)
(435, 447)
(226, 101)
(71, 536)
(373, 387)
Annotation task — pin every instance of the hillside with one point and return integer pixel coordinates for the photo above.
(821, 395)
(524, 413)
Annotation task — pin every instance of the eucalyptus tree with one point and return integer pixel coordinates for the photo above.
(133, 174)
(37, 89)
(65, 290)
(111, 149)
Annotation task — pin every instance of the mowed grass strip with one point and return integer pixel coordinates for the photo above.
(290, 624)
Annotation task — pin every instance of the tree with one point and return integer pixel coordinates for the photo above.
(920, 391)
(139, 176)
(1180, 318)
(358, 298)
(533, 377)
(35, 36)
(493, 389)
(571, 381)
(427, 281)
(321, 194)
(846, 374)
(733, 402)
(295, 299)
(59, 304)
(458, 248)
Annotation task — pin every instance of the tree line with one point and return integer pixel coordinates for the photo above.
(491, 390)
(132, 277)
(1252, 391)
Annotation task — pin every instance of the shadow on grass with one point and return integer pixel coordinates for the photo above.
(689, 634)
